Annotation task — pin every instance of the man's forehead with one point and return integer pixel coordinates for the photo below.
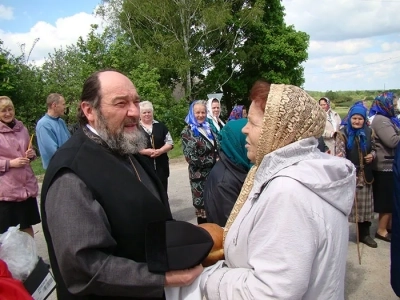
(116, 85)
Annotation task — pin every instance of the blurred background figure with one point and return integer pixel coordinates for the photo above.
(227, 176)
(213, 115)
(19, 187)
(356, 143)
(387, 129)
(238, 112)
(332, 123)
(159, 142)
(200, 148)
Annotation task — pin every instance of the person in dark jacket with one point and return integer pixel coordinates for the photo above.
(227, 176)
(395, 242)
(322, 146)
(105, 212)
(356, 143)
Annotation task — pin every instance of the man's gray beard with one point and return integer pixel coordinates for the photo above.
(121, 142)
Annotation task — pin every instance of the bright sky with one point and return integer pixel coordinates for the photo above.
(354, 44)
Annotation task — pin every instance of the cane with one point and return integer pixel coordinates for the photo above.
(358, 234)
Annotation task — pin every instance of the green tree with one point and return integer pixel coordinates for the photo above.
(6, 72)
(266, 48)
(170, 35)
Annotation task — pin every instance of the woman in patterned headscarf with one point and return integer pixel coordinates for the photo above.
(200, 148)
(287, 235)
(332, 123)
(387, 131)
(237, 113)
(355, 142)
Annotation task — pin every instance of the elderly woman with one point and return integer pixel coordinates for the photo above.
(387, 136)
(356, 143)
(332, 123)
(213, 115)
(226, 178)
(200, 148)
(287, 235)
(18, 188)
(159, 142)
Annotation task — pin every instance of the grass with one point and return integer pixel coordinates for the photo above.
(37, 167)
(341, 110)
(176, 151)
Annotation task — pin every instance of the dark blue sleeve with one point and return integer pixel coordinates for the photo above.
(395, 242)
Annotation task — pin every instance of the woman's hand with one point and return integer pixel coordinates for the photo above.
(147, 152)
(156, 153)
(368, 158)
(19, 162)
(30, 153)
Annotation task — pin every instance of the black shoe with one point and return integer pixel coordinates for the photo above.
(385, 238)
(369, 241)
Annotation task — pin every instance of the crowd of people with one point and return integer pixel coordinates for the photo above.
(287, 174)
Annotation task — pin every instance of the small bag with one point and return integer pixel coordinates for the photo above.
(18, 250)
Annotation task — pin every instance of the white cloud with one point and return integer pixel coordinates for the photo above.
(390, 46)
(65, 31)
(343, 19)
(353, 44)
(6, 12)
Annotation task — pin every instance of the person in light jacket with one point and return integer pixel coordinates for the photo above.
(18, 184)
(332, 123)
(287, 235)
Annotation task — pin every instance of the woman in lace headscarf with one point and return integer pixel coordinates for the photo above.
(332, 123)
(200, 148)
(287, 235)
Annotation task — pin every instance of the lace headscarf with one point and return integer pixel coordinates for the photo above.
(194, 125)
(290, 115)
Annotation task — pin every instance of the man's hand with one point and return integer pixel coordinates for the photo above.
(19, 162)
(30, 153)
(147, 152)
(182, 277)
(368, 158)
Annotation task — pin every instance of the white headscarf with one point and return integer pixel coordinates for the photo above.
(210, 115)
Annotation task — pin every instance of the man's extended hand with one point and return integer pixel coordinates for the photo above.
(182, 277)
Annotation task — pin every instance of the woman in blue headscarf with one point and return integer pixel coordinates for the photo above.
(355, 142)
(200, 148)
(387, 130)
(226, 178)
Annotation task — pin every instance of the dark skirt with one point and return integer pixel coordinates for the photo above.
(24, 213)
(383, 187)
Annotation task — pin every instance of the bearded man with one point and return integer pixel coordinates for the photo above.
(98, 199)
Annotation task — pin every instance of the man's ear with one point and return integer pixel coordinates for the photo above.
(89, 112)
